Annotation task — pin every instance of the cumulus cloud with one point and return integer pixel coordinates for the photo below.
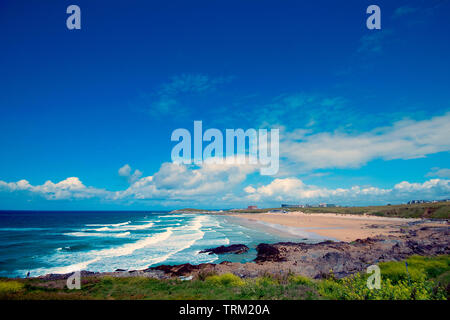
(125, 171)
(179, 181)
(204, 183)
(70, 188)
(438, 172)
(406, 139)
(219, 184)
(295, 190)
(301, 150)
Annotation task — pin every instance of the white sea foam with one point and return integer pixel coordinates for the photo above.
(123, 250)
(97, 234)
(109, 225)
(173, 242)
(122, 228)
(73, 267)
(139, 226)
(180, 242)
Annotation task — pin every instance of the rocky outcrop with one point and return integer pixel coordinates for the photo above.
(55, 276)
(234, 248)
(311, 260)
(320, 259)
(182, 269)
(267, 252)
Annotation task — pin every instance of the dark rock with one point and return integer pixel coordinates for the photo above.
(120, 270)
(55, 276)
(181, 269)
(234, 248)
(315, 260)
(267, 252)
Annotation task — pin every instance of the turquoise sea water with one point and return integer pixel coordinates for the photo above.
(63, 242)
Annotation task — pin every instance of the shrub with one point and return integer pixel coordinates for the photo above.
(301, 280)
(419, 268)
(355, 288)
(226, 279)
(266, 281)
(10, 286)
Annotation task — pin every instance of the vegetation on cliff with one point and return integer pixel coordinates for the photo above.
(437, 210)
(427, 278)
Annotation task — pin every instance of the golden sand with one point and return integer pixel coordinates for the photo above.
(343, 227)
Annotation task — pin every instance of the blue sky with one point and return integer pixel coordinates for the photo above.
(363, 114)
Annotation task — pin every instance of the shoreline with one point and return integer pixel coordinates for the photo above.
(312, 260)
(334, 226)
(290, 233)
(311, 231)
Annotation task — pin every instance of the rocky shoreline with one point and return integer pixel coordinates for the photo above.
(310, 260)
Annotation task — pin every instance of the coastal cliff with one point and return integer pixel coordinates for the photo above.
(311, 260)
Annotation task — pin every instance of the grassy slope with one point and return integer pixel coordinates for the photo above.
(428, 278)
(439, 210)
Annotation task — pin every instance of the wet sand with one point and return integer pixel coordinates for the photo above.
(335, 226)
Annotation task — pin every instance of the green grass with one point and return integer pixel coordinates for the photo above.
(10, 286)
(438, 210)
(428, 278)
(418, 267)
(226, 279)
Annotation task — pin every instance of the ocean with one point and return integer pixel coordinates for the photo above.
(41, 242)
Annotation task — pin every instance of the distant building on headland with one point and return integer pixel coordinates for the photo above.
(252, 207)
(417, 201)
(427, 201)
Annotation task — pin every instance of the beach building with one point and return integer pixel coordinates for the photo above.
(418, 201)
(252, 207)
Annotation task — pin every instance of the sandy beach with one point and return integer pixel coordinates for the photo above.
(338, 226)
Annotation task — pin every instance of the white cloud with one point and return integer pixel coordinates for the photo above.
(217, 184)
(173, 181)
(405, 139)
(125, 171)
(438, 172)
(294, 190)
(433, 185)
(178, 181)
(70, 188)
